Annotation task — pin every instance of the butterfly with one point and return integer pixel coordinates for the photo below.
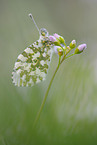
(32, 64)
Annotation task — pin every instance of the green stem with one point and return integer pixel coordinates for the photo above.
(69, 55)
(45, 97)
(59, 61)
(64, 57)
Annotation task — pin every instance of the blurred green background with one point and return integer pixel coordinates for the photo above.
(69, 116)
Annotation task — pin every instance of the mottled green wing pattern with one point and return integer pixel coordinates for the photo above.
(32, 65)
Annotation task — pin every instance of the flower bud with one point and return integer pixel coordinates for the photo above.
(60, 38)
(80, 48)
(56, 35)
(57, 43)
(60, 51)
(72, 44)
(68, 48)
(52, 38)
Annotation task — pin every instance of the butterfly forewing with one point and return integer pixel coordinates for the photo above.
(32, 65)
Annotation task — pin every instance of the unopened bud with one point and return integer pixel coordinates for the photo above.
(56, 35)
(60, 38)
(57, 43)
(52, 38)
(80, 48)
(72, 44)
(60, 51)
(68, 48)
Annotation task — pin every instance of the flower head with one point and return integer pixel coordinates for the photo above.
(58, 50)
(52, 38)
(80, 48)
(56, 35)
(57, 39)
(72, 44)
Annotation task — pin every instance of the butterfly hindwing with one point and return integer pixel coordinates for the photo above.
(32, 65)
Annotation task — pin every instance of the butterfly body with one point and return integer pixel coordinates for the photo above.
(32, 65)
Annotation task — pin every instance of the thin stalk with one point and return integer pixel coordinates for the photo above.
(45, 97)
(69, 55)
(64, 57)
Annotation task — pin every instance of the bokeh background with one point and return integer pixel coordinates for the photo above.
(69, 116)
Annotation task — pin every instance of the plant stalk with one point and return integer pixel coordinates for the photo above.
(45, 97)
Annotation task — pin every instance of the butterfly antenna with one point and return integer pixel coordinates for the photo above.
(30, 15)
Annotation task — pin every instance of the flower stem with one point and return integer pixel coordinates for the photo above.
(45, 97)
(70, 55)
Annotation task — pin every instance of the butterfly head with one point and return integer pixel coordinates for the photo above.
(44, 32)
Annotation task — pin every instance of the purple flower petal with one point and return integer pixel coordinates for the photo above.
(73, 42)
(82, 47)
(56, 35)
(52, 38)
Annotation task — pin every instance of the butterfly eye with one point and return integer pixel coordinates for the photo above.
(43, 32)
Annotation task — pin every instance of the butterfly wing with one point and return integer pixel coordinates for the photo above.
(32, 65)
